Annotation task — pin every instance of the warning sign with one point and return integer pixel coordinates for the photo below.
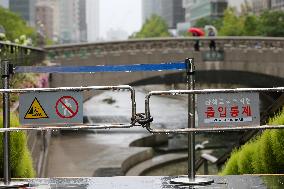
(67, 107)
(228, 109)
(35, 111)
(49, 108)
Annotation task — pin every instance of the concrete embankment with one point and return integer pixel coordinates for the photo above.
(101, 153)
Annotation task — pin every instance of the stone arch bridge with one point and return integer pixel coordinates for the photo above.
(253, 61)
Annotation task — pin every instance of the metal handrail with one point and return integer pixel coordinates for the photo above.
(42, 127)
(22, 46)
(207, 91)
(20, 54)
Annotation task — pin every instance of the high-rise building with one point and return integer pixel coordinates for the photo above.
(196, 9)
(172, 12)
(259, 6)
(83, 21)
(186, 4)
(47, 19)
(277, 4)
(151, 7)
(4, 3)
(237, 4)
(24, 8)
(93, 20)
(45, 13)
(69, 30)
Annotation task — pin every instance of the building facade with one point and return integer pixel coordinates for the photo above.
(237, 4)
(83, 21)
(69, 18)
(187, 4)
(172, 12)
(195, 9)
(24, 8)
(151, 7)
(44, 20)
(93, 20)
(47, 19)
(259, 6)
(277, 4)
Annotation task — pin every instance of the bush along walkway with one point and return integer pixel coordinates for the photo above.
(262, 155)
(20, 157)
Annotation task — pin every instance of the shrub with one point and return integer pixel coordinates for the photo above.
(262, 155)
(20, 158)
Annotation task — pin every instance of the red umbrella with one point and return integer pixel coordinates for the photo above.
(197, 31)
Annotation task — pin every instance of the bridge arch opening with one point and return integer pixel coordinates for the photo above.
(244, 78)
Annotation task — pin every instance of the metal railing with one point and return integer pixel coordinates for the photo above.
(207, 91)
(20, 54)
(134, 117)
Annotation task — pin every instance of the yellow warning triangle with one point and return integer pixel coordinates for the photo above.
(35, 111)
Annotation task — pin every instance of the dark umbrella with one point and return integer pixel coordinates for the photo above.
(197, 31)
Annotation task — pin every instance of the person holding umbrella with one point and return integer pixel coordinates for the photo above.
(212, 32)
(196, 32)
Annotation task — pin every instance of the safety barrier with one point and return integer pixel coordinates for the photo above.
(208, 91)
(137, 119)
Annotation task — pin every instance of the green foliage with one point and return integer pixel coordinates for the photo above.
(232, 24)
(153, 27)
(232, 164)
(14, 25)
(269, 23)
(202, 22)
(272, 23)
(263, 155)
(245, 159)
(251, 25)
(21, 161)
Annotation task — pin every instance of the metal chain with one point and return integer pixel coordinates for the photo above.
(142, 119)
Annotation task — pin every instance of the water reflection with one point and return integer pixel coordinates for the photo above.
(236, 182)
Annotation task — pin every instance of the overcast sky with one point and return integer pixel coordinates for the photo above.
(119, 14)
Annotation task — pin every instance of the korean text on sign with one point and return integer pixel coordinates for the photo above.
(228, 109)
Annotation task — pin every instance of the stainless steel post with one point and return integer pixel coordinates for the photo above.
(191, 118)
(6, 122)
(190, 179)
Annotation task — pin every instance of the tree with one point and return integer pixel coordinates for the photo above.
(14, 25)
(153, 27)
(272, 23)
(251, 25)
(232, 24)
(202, 22)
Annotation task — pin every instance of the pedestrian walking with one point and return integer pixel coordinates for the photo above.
(196, 32)
(212, 44)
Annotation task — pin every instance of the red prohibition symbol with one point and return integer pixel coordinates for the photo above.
(68, 111)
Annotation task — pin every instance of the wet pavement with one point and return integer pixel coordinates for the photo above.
(227, 182)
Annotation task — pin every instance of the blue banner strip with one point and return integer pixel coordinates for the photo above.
(102, 68)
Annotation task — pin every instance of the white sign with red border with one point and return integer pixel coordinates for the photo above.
(228, 109)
